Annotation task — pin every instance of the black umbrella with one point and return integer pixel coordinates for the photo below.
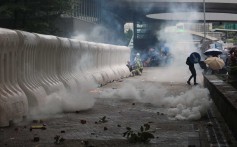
(195, 57)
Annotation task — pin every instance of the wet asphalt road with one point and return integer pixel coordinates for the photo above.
(87, 128)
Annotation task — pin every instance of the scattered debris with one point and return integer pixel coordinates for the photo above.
(62, 131)
(77, 111)
(209, 124)
(83, 121)
(143, 136)
(103, 120)
(92, 133)
(38, 127)
(36, 138)
(85, 142)
(35, 121)
(120, 80)
(118, 125)
(58, 139)
(158, 113)
(16, 129)
(95, 91)
(133, 103)
(105, 128)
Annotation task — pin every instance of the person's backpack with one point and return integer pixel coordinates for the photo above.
(187, 61)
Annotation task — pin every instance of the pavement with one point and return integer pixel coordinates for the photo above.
(103, 125)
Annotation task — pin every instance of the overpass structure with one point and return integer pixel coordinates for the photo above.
(128, 9)
(148, 16)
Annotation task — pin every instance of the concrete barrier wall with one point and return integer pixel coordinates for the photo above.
(225, 98)
(13, 101)
(33, 66)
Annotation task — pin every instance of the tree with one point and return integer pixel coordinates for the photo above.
(33, 15)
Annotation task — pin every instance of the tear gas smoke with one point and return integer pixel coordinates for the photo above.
(66, 101)
(97, 34)
(191, 104)
(181, 47)
(77, 98)
(100, 34)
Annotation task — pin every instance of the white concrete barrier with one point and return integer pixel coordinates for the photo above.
(113, 61)
(93, 48)
(34, 66)
(101, 65)
(65, 57)
(47, 63)
(28, 78)
(111, 76)
(125, 56)
(13, 101)
(76, 57)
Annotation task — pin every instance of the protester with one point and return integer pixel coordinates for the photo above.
(138, 67)
(192, 70)
(129, 66)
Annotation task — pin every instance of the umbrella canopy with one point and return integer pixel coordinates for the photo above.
(215, 63)
(195, 57)
(213, 52)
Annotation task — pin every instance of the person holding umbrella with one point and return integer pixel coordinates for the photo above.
(191, 60)
(214, 62)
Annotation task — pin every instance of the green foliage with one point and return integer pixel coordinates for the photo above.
(233, 70)
(232, 40)
(143, 136)
(34, 16)
(103, 120)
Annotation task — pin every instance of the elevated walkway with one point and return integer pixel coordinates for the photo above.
(202, 35)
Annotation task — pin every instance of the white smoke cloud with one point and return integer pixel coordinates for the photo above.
(191, 104)
(72, 100)
(100, 34)
(97, 34)
(188, 105)
(77, 97)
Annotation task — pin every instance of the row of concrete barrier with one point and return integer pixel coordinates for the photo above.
(33, 66)
(224, 96)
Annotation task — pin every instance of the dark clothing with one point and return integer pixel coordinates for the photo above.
(192, 70)
(203, 65)
(189, 63)
(129, 67)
